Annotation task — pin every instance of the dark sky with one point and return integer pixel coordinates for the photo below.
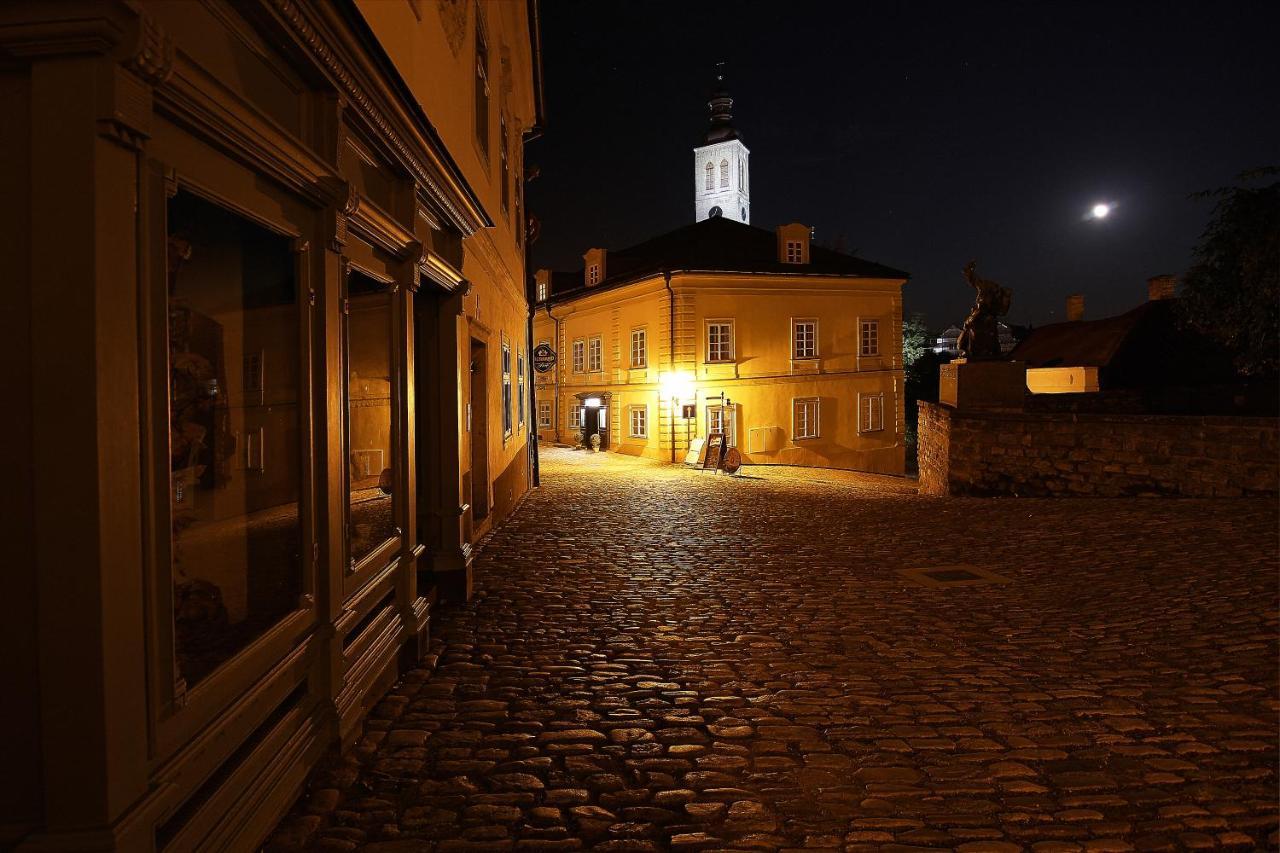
(922, 135)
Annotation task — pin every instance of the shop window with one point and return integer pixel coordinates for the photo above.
(804, 423)
(235, 432)
(371, 499)
(804, 339)
(639, 348)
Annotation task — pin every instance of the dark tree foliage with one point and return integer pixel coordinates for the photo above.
(1232, 291)
(920, 368)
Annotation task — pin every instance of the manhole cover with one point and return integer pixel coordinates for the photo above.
(949, 576)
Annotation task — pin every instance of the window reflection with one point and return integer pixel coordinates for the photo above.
(370, 455)
(234, 448)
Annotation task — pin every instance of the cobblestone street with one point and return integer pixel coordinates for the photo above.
(662, 659)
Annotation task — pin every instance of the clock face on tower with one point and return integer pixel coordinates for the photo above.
(715, 211)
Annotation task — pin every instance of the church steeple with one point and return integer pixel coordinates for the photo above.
(721, 106)
(721, 185)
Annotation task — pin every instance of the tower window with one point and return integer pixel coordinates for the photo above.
(724, 173)
(742, 179)
(711, 176)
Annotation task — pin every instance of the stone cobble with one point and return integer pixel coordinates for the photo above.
(660, 659)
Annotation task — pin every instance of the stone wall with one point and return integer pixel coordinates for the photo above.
(1107, 455)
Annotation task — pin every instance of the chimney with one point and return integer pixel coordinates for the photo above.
(1075, 307)
(1161, 287)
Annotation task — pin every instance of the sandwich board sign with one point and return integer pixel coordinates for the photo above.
(714, 451)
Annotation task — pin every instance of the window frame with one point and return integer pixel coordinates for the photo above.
(796, 354)
(593, 274)
(507, 425)
(641, 409)
(796, 257)
(724, 173)
(578, 355)
(813, 423)
(869, 325)
(732, 342)
(483, 96)
(595, 354)
(642, 363)
(870, 409)
(711, 176)
(543, 414)
(543, 288)
(575, 415)
(520, 388)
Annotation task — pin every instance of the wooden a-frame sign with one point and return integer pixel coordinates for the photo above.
(714, 451)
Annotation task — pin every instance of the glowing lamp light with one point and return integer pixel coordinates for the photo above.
(1101, 211)
(592, 402)
(675, 385)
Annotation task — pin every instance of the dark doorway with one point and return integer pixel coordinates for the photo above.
(479, 417)
(595, 421)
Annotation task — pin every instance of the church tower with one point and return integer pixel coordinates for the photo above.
(721, 182)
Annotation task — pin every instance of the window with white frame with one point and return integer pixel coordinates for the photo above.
(804, 417)
(506, 389)
(593, 274)
(543, 287)
(595, 357)
(719, 340)
(870, 337)
(579, 356)
(871, 412)
(795, 252)
(804, 338)
(711, 176)
(575, 416)
(742, 176)
(724, 173)
(544, 414)
(639, 417)
(639, 348)
(520, 389)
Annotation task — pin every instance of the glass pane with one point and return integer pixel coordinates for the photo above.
(370, 454)
(234, 432)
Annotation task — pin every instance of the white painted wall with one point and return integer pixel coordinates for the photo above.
(735, 199)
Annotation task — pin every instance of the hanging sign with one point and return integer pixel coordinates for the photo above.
(544, 358)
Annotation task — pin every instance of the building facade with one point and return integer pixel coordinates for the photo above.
(267, 320)
(793, 351)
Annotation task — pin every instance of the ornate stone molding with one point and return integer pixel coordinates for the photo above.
(152, 58)
(292, 14)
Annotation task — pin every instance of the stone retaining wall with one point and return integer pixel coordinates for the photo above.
(1061, 454)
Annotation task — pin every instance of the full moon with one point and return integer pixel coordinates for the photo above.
(1100, 211)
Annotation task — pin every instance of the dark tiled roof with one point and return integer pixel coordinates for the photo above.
(715, 245)
(1143, 347)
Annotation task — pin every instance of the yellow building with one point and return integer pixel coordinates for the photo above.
(266, 337)
(791, 350)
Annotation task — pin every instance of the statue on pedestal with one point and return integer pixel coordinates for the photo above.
(980, 339)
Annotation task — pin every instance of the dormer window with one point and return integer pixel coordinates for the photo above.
(542, 291)
(793, 243)
(724, 173)
(795, 252)
(711, 176)
(593, 274)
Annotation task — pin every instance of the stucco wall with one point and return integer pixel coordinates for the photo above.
(1039, 454)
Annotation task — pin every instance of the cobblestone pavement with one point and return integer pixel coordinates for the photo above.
(663, 659)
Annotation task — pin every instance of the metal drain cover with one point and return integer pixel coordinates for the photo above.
(949, 576)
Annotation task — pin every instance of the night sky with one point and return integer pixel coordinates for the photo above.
(918, 135)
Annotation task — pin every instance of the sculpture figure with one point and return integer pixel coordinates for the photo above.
(981, 336)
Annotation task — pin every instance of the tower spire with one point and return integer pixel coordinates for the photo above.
(721, 106)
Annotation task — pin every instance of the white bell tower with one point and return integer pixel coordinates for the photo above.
(721, 179)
